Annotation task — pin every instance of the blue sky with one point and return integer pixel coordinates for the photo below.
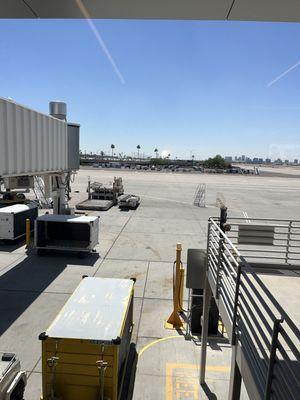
(190, 86)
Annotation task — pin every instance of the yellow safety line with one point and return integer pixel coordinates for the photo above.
(158, 341)
(171, 366)
(220, 368)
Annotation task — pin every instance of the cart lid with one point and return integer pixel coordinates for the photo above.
(17, 208)
(67, 218)
(95, 311)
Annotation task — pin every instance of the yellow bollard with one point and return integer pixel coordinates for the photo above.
(174, 321)
(27, 233)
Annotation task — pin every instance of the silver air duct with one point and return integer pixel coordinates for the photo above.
(58, 109)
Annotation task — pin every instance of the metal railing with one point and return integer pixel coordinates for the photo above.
(285, 246)
(269, 340)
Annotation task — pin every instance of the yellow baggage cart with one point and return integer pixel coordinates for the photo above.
(84, 350)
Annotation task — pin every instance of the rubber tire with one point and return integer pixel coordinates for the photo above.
(41, 252)
(18, 392)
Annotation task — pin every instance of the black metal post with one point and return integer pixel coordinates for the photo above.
(235, 306)
(276, 330)
(223, 218)
(220, 258)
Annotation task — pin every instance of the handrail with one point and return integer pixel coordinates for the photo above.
(258, 321)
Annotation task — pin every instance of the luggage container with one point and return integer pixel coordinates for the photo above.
(85, 349)
(129, 201)
(66, 232)
(13, 220)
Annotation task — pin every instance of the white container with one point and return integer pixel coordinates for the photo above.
(13, 220)
(31, 142)
(66, 232)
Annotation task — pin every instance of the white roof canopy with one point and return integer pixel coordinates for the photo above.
(247, 10)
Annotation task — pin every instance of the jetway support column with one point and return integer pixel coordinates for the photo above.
(59, 194)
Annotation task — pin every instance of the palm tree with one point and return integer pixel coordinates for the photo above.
(112, 146)
(138, 149)
(156, 152)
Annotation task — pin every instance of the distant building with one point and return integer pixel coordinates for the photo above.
(228, 158)
(243, 158)
(296, 161)
(286, 162)
(260, 160)
(255, 160)
(268, 160)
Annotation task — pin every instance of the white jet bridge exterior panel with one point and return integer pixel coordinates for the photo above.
(31, 143)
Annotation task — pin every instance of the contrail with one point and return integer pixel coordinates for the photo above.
(283, 74)
(95, 31)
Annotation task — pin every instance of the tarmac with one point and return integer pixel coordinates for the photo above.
(141, 243)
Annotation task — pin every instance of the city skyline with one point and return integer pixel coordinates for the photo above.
(242, 158)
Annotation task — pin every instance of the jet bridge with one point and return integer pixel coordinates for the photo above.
(265, 341)
(33, 144)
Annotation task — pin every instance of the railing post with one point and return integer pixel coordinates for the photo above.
(220, 256)
(276, 330)
(235, 305)
(288, 242)
(207, 244)
(207, 294)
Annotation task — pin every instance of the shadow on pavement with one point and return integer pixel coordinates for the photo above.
(210, 395)
(9, 246)
(21, 285)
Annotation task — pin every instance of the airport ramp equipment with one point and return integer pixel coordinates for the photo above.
(13, 220)
(108, 191)
(129, 201)
(95, 205)
(40, 193)
(199, 199)
(195, 280)
(85, 349)
(66, 232)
